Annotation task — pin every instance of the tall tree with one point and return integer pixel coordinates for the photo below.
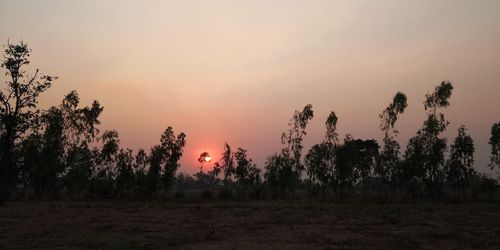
(18, 102)
(390, 157)
(173, 147)
(246, 172)
(227, 164)
(460, 165)
(495, 146)
(424, 156)
(320, 160)
(284, 169)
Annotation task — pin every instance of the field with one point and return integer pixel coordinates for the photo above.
(249, 225)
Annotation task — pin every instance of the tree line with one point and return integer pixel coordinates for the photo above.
(60, 152)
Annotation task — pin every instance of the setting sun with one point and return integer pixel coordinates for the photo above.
(208, 158)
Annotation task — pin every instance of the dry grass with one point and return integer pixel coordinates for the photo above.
(249, 225)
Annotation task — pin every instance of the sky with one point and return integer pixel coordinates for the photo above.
(234, 71)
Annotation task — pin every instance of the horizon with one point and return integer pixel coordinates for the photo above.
(236, 71)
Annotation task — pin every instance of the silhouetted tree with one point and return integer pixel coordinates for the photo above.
(227, 164)
(124, 172)
(365, 159)
(156, 157)
(45, 173)
(345, 173)
(18, 101)
(164, 161)
(459, 167)
(390, 157)
(102, 183)
(80, 129)
(246, 172)
(203, 159)
(320, 160)
(283, 170)
(424, 156)
(495, 145)
(173, 148)
(140, 164)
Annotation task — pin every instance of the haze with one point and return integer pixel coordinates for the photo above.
(236, 70)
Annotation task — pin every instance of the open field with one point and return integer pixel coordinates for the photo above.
(247, 225)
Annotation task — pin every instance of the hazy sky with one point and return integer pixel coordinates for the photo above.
(236, 70)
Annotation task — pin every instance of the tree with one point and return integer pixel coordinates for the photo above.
(18, 113)
(495, 145)
(172, 148)
(390, 159)
(424, 156)
(345, 174)
(366, 157)
(287, 164)
(45, 173)
(246, 172)
(227, 164)
(79, 130)
(164, 161)
(124, 172)
(320, 160)
(140, 164)
(102, 183)
(460, 170)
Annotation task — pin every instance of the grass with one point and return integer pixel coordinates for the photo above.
(299, 224)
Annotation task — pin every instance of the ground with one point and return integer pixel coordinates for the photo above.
(249, 225)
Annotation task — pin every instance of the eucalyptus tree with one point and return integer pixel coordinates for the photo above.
(173, 148)
(283, 170)
(80, 130)
(424, 155)
(246, 172)
(320, 160)
(45, 174)
(102, 182)
(18, 108)
(460, 165)
(390, 157)
(141, 162)
(495, 146)
(227, 164)
(125, 177)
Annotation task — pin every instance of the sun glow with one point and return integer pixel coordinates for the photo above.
(208, 158)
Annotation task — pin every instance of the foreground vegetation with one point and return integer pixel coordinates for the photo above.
(251, 225)
(60, 153)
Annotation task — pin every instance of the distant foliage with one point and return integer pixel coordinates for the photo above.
(61, 153)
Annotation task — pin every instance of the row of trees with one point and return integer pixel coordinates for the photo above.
(60, 151)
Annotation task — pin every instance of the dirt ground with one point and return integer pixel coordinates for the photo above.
(249, 225)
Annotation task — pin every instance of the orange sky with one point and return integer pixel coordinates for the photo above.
(235, 70)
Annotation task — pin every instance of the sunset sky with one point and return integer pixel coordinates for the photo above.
(236, 70)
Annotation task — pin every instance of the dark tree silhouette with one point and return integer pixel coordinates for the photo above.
(202, 159)
(102, 183)
(246, 172)
(390, 157)
(495, 146)
(173, 147)
(227, 164)
(283, 170)
(460, 170)
(18, 113)
(320, 160)
(124, 173)
(424, 156)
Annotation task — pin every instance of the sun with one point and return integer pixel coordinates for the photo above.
(208, 158)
